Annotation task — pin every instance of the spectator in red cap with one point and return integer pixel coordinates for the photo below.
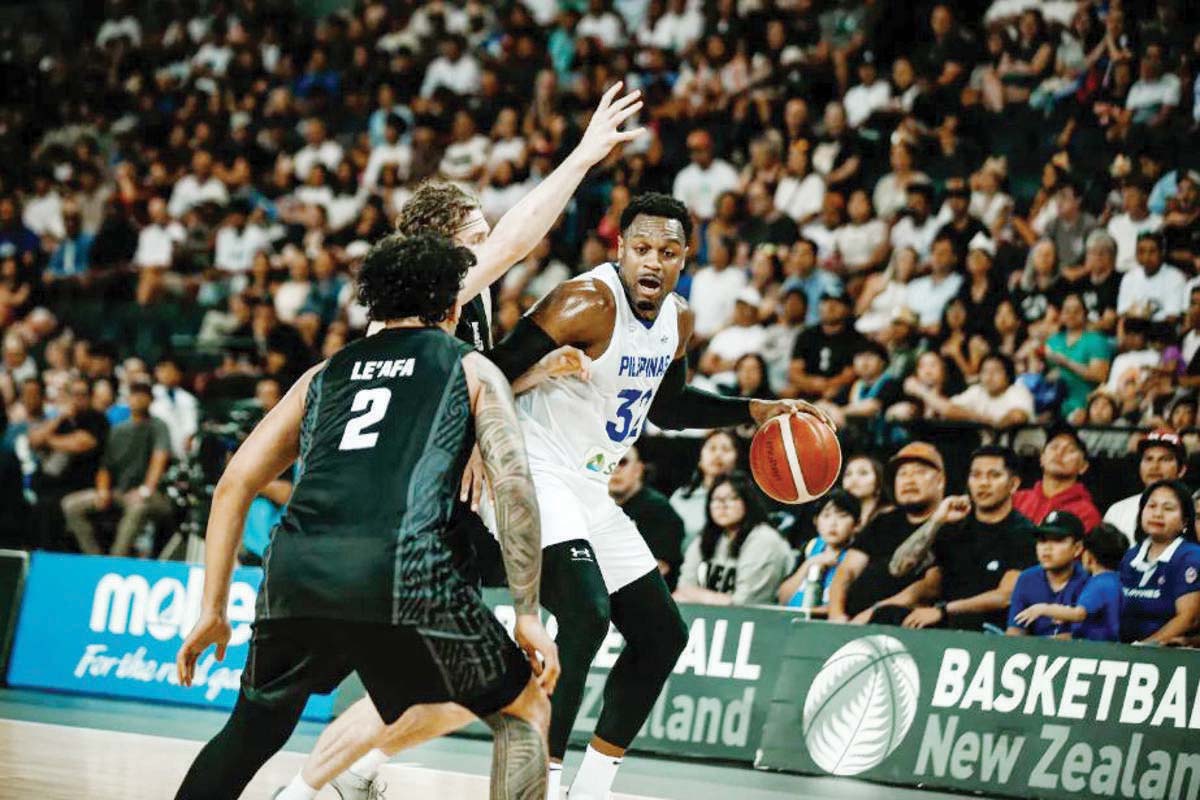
(1163, 458)
(1064, 460)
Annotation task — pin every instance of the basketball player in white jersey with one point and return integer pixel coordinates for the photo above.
(635, 330)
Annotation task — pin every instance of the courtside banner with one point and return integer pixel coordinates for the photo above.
(715, 702)
(1004, 716)
(111, 626)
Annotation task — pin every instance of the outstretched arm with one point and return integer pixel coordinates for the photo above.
(526, 223)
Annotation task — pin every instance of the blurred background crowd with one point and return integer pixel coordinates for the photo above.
(969, 224)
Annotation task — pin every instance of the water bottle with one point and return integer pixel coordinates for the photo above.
(812, 591)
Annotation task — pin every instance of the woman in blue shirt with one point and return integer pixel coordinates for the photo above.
(1160, 578)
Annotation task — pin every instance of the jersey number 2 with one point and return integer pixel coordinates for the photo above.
(633, 405)
(374, 403)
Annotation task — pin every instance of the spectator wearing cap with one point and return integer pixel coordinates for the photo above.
(700, 183)
(1161, 457)
(823, 358)
(929, 294)
(1058, 579)
(1097, 613)
(1064, 460)
(1083, 356)
(998, 400)
(1099, 284)
(136, 455)
(197, 187)
(918, 227)
(1152, 288)
(867, 96)
(1161, 577)
(863, 580)
(975, 546)
(962, 227)
(1126, 227)
(805, 274)
(744, 335)
(651, 512)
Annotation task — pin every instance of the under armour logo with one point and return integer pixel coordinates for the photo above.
(581, 554)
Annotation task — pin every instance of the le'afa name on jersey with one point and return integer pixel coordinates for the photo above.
(643, 366)
(390, 368)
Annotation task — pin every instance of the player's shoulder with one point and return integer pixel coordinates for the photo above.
(585, 293)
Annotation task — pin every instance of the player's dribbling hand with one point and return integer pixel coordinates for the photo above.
(210, 629)
(604, 131)
(763, 410)
(532, 637)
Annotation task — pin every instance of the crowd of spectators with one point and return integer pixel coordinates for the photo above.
(975, 224)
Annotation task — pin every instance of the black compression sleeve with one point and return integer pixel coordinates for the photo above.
(521, 349)
(678, 406)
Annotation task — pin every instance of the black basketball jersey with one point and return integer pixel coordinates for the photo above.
(473, 327)
(386, 433)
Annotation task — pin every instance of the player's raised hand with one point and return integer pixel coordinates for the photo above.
(532, 637)
(210, 629)
(604, 131)
(567, 362)
(763, 410)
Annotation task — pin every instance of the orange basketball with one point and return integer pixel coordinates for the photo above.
(795, 458)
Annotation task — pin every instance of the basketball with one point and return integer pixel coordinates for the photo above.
(795, 458)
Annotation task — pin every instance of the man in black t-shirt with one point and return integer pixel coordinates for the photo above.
(962, 227)
(978, 545)
(863, 580)
(1100, 284)
(823, 358)
(656, 521)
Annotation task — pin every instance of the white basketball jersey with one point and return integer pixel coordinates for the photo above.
(588, 426)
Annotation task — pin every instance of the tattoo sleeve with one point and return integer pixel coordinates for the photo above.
(914, 552)
(519, 759)
(502, 448)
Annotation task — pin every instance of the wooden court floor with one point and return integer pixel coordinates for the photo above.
(56, 762)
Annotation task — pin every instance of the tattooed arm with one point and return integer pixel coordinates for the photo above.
(502, 448)
(915, 551)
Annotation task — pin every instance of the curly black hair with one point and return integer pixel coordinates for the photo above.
(656, 204)
(413, 276)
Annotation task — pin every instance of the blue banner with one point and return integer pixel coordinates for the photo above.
(112, 626)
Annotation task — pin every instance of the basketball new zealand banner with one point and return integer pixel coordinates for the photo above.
(1016, 717)
(112, 626)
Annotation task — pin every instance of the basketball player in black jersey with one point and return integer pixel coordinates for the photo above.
(361, 574)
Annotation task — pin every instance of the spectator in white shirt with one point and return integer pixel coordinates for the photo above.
(197, 187)
(701, 182)
(918, 227)
(602, 24)
(175, 406)
(744, 336)
(392, 150)
(998, 400)
(155, 252)
(1126, 227)
(679, 27)
(467, 154)
(714, 289)
(870, 94)
(1156, 94)
(801, 191)
(1152, 289)
(215, 54)
(891, 191)
(1162, 457)
(43, 212)
(319, 148)
(454, 69)
(238, 241)
(929, 295)
(862, 243)
(507, 142)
